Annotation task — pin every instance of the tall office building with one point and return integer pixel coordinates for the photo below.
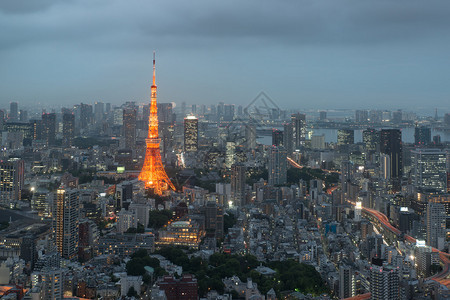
(436, 230)
(66, 222)
(429, 169)
(2, 119)
(68, 129)
(347, 282)
(298, 129)
(99, 112)
(277, 137)
(422, 136)
(214, 219)
(371, 139)
(165, 113)
(345, 137)
(250, 136)
(384, 283)
(288, 138)
(238, 175)
(49, 282)
(23, 116)
(129, 127)
(13, 112)
(277, 165)
(85, 112)
(391, 144)
(318, 141)
(49, 128)
(190, 134)
(11, 180)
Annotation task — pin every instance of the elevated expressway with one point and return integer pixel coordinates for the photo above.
(392, 234)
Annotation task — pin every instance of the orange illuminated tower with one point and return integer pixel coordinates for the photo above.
(153, 173)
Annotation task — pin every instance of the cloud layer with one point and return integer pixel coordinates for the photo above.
(337, 53)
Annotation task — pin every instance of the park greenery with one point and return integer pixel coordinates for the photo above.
(159, 218)
(290, 275)
(307, 174)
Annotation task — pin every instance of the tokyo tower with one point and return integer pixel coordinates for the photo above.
(153, 173)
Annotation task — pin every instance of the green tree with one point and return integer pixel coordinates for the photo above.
(132, 292)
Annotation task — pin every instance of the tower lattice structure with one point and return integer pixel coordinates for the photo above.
(153, 173)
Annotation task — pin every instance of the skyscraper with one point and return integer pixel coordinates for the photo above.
(2, 119)
(11, 180)
(298, 129)
(436, 230)
(153, 173)
(391, 144)
(129, 127)
(49, 128)
(277, 165)
(422, 136)
(250, 136)
(288, 138)
(68, 129)
(66, 219)
(238, 174)
(345, 137)
(429, 169)
(371, 139)
(99, 111)
(13, 112)
(190, 134)
(277, 137)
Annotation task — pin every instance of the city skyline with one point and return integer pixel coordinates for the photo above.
(304, 55)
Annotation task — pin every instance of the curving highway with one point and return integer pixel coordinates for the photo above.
(441, 277)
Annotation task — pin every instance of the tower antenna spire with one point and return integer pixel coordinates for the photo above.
(154, 68)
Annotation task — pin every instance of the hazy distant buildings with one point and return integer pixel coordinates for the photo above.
(277, 165)
(13, 112)
(129, 127)
(190, 134)
(49, 128)
(361, 116)
(68, 129)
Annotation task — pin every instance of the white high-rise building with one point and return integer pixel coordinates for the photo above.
(436, 218)
(347, 283)
(384, 283)
(125, 220)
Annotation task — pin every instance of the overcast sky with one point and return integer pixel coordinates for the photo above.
(304, 54)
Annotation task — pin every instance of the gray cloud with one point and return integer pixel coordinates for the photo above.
(337, 43)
